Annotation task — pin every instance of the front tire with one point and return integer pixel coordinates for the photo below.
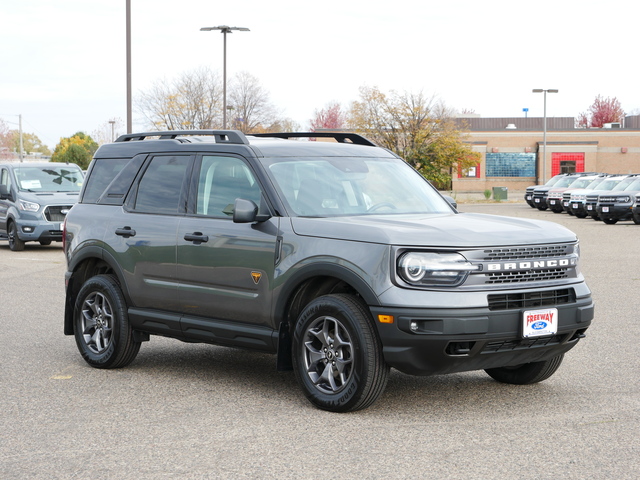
(527, 373)
(15, 244)
(337, 355)
(101, 326)
(610, 221)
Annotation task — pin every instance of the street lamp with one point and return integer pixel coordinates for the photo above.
(224, 29)
(544, 131)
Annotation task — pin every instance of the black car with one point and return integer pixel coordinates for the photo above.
(618, 204)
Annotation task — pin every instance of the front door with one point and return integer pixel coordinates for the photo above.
(225, 269)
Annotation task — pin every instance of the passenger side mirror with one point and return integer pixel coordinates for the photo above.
(246, 211)
(452, 201)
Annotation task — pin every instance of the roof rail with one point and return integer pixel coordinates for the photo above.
(339, 137)
(222, 136)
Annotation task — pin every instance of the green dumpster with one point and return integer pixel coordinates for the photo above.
(499, 193)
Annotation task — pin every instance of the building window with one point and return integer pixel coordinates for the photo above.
(511, 165)
(566, 163)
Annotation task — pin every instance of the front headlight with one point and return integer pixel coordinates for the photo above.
(430, 269)
(28, 206)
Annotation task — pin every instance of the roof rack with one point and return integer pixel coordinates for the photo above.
(338, 136)
(221, 136)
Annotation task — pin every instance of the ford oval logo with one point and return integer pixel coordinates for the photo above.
(539, 325)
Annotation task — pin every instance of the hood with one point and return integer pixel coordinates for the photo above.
(462, 230)
(50, 198)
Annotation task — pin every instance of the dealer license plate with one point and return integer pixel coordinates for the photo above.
(575, 206)
(605, 209)
(589, 207)
(538, 323)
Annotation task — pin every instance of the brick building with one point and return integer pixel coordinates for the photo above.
(512, 151)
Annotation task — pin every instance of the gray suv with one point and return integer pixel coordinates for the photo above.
(336, 256)
(34, 200)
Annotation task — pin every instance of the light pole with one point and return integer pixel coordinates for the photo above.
(544, 131)
(113, 123)
(224, 29)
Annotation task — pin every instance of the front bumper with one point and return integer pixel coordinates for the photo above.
(618, 212)
(39, 230)
(458, 340)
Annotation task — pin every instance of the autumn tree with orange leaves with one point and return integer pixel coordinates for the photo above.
(419, 129)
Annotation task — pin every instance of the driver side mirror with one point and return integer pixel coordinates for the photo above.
(4, 193)
(246, 211)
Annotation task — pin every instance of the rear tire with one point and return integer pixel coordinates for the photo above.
(527, 373)
(101, 326)
(337, 355)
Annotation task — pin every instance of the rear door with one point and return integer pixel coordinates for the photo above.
(141, 234)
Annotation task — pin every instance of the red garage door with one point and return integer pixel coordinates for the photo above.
(567, 163)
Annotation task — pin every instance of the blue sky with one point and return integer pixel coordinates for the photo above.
(62, 63)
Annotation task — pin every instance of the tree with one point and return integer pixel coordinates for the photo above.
(78, 149)
(419, 129)
(330, 117)
(249, 105)
(603, 110)
(191, 102)
(5, 141)
(30, 143)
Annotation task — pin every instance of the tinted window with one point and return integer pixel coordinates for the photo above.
(103, 171)
(161, 189)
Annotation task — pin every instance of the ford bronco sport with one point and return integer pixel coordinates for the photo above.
(336, 256)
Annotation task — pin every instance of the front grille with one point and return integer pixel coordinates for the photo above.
(545, 251)
(53, 213)
(527, 276)
(516, 301)
(608, 199)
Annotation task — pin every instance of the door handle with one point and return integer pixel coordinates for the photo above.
(196, 237)
(126, 232)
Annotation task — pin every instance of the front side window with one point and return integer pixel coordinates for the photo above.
(49, 179)
(318, 187)
(163, 185)
(222, 180)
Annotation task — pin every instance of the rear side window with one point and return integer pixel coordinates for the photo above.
(103, 171)
(162, 188)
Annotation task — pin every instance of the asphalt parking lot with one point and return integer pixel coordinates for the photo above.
(201, 411)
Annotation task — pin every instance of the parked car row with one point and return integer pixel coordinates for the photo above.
(601, 196)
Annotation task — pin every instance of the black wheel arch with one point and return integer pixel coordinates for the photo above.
(306, 284)
(87, 263)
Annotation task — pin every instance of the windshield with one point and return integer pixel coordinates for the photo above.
(321, 187)
(581, 183)
(48, 179)
(594, 184)
(565, 182)
(635, 186)
(624, 183)
(609, 184)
